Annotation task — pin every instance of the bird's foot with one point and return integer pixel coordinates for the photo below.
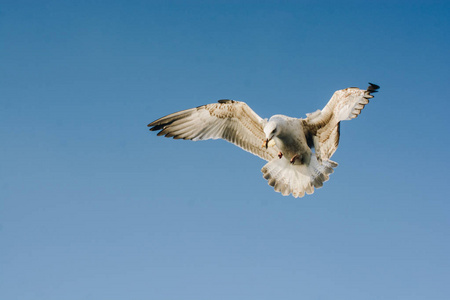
(294, 158)
(280, 155)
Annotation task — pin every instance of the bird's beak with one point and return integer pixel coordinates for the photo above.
(268, 143)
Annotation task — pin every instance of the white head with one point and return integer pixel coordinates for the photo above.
(273, 128)
(270, 130)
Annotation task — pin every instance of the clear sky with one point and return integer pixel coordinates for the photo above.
(94, 206)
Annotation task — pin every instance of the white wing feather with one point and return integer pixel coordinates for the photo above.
(230, 120)
(344, 105)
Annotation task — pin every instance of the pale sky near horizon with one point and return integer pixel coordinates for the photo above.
(93, 206)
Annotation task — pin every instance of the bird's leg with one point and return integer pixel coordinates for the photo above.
(294, 158)
(280, 155)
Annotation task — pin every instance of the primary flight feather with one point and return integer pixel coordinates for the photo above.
(286, 143)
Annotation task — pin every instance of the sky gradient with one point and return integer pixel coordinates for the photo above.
(94, 206)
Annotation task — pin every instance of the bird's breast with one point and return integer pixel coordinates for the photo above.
(293, 144)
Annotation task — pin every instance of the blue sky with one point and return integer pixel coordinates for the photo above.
(93, 206)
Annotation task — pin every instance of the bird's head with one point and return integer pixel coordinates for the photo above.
(271, 131)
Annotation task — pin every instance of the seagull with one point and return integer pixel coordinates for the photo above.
(297, 150)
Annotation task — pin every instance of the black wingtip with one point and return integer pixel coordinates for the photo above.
(226, 101)
(373, 88)
(156, 128)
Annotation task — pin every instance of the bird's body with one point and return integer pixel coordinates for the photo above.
(293, 167)
(297, 169)
(291, 138)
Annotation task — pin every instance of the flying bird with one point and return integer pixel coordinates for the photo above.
(298, 150)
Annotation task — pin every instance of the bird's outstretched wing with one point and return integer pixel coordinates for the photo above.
(344, 105)
(230, 120)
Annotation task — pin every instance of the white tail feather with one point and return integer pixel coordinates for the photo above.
(287, 178)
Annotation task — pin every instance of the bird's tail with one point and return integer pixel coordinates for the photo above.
(296, 179)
